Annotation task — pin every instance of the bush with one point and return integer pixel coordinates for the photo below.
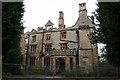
(6, 74)
(37, 71)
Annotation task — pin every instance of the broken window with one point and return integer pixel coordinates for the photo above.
(64, 35)
(48, 47)
(48, 36)
(32, 60)
(33, 48)
(47, 62)
(33, 38)
(63, 45)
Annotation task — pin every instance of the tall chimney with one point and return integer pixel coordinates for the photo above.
(83, 14)
(82, 6)
(61, 20)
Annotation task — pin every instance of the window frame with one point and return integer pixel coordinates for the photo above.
(85, 60)
(63, 34)
(48, 47)
(33, 48)
(63, 46)
(32, 60)
(34, 38)
(48, 36)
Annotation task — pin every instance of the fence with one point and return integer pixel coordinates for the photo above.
(98, 71)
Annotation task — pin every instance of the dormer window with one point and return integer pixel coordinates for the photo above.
(48, 36)
(33, 38)
(49, 25)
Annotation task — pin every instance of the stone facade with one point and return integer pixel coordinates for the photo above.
(56, 48)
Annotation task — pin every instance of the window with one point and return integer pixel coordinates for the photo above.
(63, 45)
(63, 35)
(33, 38)
(48, 36)
(48, 47)
(46, 62)
(71, 63)
(85, 60)
(32, 60)
(49, 27)
(33, 48)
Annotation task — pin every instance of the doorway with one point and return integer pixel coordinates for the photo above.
(60, 64)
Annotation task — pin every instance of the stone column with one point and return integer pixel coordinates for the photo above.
(54, 64)
(74, 62)
(51, 63)
(43, 62)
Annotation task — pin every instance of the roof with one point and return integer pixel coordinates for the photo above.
(83, 21)
(49, 23)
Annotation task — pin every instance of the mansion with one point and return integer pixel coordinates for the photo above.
(62, 48)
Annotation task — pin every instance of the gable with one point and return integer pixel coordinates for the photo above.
(33, 30)
(81, 22)
(49, 23)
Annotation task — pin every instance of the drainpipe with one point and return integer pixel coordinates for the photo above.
(41, 52)
(42, 41)
(77, 54)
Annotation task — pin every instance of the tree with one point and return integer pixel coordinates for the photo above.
(108, 14)
(12, 13)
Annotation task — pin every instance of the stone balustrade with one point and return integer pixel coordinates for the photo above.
(69, 52)
(34, 54)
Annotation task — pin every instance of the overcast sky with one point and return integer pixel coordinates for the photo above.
(38, 12)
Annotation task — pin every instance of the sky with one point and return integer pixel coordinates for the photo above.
(38, 12)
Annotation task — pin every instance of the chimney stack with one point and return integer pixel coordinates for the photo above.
(61, 20)
(82, 6)
(83, 14)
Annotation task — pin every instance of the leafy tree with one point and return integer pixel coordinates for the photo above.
(108, 14)
(12, 13)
